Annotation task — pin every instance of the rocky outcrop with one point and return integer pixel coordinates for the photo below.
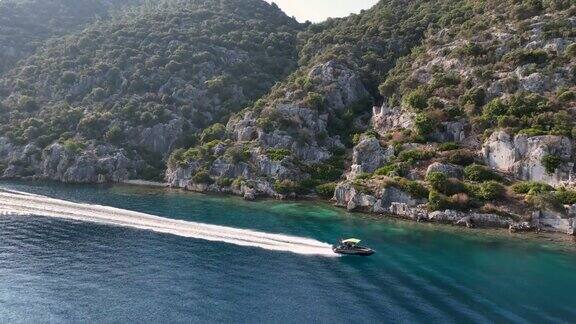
(346, 195)
(385, 119)
(368, 155)
(395, 202)
(452, 131)
(341, 85)
(470, 219)
(451, 170)
(389, 200)
(159, 138)
(94, 164)
(522, 157)
(555, 221)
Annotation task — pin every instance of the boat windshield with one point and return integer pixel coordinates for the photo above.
(351, 242)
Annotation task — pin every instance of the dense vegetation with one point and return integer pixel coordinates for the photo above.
(192, 62)
(27, 24)
(484, 71)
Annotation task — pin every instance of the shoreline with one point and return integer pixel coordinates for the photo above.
(144, 183)
(561, 241)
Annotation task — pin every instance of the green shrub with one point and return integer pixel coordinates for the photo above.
(214, 132)
(565, 196)
(68, 77)
(278, 154)
(532, 131)
(315, 100)
(202, 177)
(438, 181)
(152, 174)
(238, 182)
(448, 146)
(224, 182)
(326, 190)
(331, 170)
(567, 96)
(288, 187)
(522, 104)
(551, 163)
(460, 157)
(494, 108)
(531, 188)
(571, 50)
(441, 80)
(73, 145)
(437, 201)
(491, 190)
(176, 158)
(414, 188)
(475, 97)
(480, 173)
(392, 170)
(113, 134)
(237, 154)
(417, 100)
(424, 125)
(364, 176)
(28, 104)
(411, 156)
(525, 56)
(546, 200)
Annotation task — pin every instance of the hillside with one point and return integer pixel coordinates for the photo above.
(26, 25)
(441, 110)
(473, 109)
(128, 90)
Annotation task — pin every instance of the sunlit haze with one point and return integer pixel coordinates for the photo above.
(319, 10)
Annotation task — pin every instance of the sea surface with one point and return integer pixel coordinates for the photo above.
(54, 270)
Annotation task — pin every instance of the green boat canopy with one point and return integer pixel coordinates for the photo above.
(351, 240)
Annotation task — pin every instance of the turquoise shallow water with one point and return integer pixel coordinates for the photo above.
(65, 271)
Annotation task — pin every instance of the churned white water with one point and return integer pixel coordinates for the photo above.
(21, 203)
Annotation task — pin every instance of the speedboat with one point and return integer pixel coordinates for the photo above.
(350, 247)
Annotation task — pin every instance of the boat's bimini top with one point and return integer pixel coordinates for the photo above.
(351, 241)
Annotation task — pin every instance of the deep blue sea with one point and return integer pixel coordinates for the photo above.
(54, 270)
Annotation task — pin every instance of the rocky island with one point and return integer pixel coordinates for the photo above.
(446, 111)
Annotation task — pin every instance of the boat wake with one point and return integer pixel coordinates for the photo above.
(21, 203)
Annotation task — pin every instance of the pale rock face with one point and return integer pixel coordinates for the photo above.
(369, 155)
(469, 219)
(385, 119)
(345, 195)
(454, 131)
(180, 177)
(355, 171)
(344, 85)
(554, 221)
(222, 168)
(522, 157)
(499, 151)
(159, 138)
(392, 195)
(100, 163)
(8, 151)
(534, 82)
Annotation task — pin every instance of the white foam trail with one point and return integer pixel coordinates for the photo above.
(22, 203)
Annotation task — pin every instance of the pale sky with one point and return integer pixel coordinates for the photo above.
(319, 10)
